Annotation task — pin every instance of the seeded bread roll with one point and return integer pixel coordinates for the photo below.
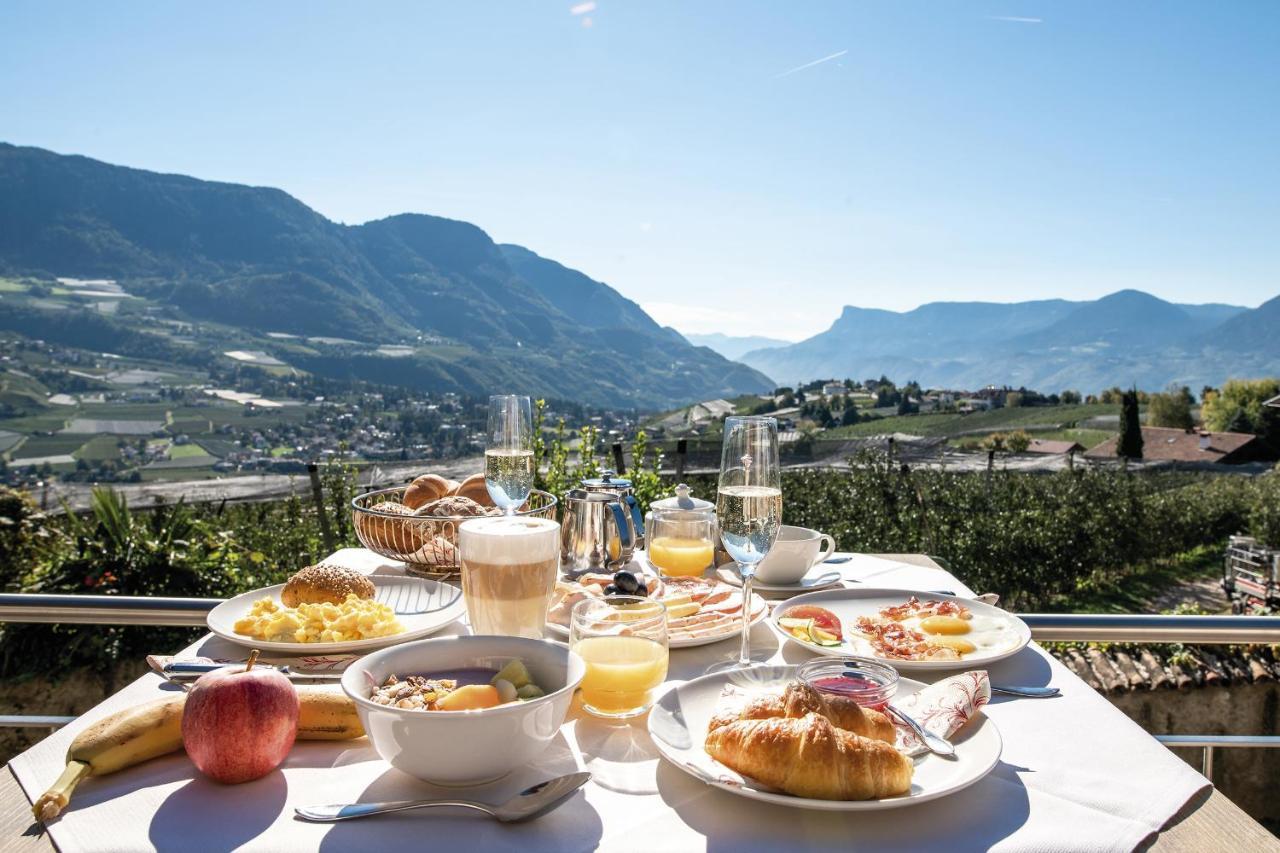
(473, 487)
(425, 489)
(452, 506)
(325, 583)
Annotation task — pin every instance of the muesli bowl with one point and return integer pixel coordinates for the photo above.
(465, 747)
(426, 544)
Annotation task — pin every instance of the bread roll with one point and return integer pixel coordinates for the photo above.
(425, 489)
(325, 583)
(451, 506)
(473, 487)
(809, 757)
(399, 536)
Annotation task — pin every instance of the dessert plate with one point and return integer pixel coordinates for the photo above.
(678, 726)
(1006, 633)
(422, 606)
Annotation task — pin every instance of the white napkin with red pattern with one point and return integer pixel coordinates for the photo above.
(942, 708)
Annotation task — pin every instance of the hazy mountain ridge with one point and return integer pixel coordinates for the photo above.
(733, 346)
(257, 259)
(1125, 338)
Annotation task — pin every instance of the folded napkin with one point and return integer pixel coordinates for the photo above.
(942, 708)
(313, 663)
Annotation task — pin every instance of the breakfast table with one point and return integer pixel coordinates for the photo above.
(1074, 774)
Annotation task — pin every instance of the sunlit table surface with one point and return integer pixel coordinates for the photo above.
(635, 801)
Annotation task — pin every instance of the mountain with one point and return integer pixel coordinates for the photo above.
(475, 316)
(1125, 338)
(732, 346)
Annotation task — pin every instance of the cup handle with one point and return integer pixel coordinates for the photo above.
(827, 548)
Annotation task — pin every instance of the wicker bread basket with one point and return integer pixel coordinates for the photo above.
(427, 545)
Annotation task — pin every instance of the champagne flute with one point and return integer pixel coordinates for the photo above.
(749, 503)
(508, 458)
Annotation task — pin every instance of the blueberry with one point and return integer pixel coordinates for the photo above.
(626, 582)
(642, 590)
(612, 590)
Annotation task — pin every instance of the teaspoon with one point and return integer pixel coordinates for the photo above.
(935, 744)
(1025, 691)
(526, 805)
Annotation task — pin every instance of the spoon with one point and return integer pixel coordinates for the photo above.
(837, 559)
(528, 804)
(935, 744)
(1025, 692)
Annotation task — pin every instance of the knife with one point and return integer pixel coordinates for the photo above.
(184, 672)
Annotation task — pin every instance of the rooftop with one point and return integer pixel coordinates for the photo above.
(1179, 445)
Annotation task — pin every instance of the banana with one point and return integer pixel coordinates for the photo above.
(148, 731)
(119, 740)
(327, 715)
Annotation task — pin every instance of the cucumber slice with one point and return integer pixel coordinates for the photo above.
(789, 622)
(515, 672)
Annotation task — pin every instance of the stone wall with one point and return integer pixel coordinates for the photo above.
(1247, 776)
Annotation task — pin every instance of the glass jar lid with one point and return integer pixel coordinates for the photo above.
(684, 500)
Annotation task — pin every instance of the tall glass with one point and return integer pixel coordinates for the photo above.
(623, 640)
(749, 503)
(508, 456)
(509, 568)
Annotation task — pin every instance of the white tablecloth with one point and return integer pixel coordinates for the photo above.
(1076, 774)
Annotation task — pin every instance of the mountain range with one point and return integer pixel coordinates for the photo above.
(478, 316)
(734, 346)
(1127, 338)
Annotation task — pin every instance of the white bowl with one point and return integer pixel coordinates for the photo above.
(465, 747)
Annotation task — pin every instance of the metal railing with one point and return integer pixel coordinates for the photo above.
(105, 609)
(1208, 743)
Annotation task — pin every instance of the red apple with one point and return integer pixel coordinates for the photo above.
(239, 724)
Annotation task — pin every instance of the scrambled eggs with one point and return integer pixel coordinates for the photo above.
(353, 619)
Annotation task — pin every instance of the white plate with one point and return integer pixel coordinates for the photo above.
(849, 604)
(678, 726)
(423, 607)
(760, 609)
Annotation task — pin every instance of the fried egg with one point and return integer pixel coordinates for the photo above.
(985, 634)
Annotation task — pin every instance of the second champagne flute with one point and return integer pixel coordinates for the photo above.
(749, 503)
(508, 457)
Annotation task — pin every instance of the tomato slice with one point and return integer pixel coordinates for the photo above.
(821, 616)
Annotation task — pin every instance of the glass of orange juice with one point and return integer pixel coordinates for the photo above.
(681, 543)
(623, 640)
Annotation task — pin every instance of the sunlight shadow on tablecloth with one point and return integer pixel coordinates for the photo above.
(185, 820)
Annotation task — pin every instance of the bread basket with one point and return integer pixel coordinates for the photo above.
(427, 545)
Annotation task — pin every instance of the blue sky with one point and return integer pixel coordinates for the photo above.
(700, 157)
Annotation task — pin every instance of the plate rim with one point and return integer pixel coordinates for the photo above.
(367, 644)
(693, 642)
(783, 799)
(1024, 630)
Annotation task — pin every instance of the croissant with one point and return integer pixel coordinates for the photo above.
(809, 757)
(800, 699)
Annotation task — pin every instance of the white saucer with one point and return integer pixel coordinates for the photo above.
(818, 578)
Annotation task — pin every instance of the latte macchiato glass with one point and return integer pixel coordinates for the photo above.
(509, 567)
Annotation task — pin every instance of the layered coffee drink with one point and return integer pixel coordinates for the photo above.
(509, 567)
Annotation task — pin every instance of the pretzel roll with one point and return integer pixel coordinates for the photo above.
(473, 487)
(424, 490)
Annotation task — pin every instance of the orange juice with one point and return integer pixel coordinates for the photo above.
(681, 556)
(621, 673)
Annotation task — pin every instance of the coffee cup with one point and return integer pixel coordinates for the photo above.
(796, 550)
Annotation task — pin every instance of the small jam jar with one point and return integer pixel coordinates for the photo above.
(865, 681)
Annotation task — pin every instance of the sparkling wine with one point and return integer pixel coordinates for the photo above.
(749, 520)
(508, 474)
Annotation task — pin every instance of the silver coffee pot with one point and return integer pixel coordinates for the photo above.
(610, 483)
(595, 533)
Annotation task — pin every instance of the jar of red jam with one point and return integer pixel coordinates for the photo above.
(865, 681)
